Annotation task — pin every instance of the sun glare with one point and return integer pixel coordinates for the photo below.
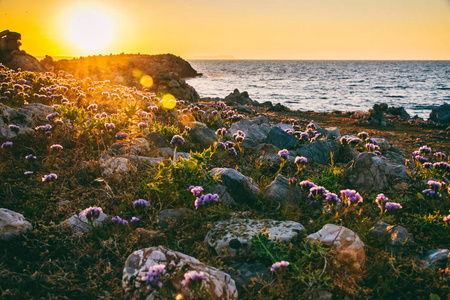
(90, 29)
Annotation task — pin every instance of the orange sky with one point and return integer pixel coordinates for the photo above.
(244, 29)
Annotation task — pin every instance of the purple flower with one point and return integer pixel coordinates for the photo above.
(187, 128)
(419, 159)
(229, 144)
(134, 220)
(381, 200)
(424, 150)
(292, 181)
(28, 172)
(239, 139)
(344, 140)
(56, 147)
(195, 190)
(119, 220)
(221, 145)
(431, 194)
(14, 128)
(232, 151)
(279, 266)
(92, 213)
(300, 160)
(50, 177)
(177, 139)
(392, 206)
(434, 185)
(121, 135)
(142, 125)
(205, 199)
(306, 185)
(290, 131)
(92, 107)
(7, 144)
(284, 154)
(372, 147)
(141, 203)
(354, 141)
(440, 155)
(303, 136)
(447, 219)
(110, 126)
(332, 199)
(317, 192)
(221, 132)
(441, 166)
(30, 156)
(192, 277)
(311, 125)
(351, 197)
(363, 135)
(154, 276)
(427, 165)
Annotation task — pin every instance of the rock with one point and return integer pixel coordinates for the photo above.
(239, 98)
(169, 152)
(262, 119)
(12, 224)
(395, 237)
(268, 152)
(217, 283)
(24, 61)
(349, 247)
(441, 114)
(332, 133)
(244, 109)
(205, 137)
(158, 139)
(283, 126)
(149, 236)
(347, 154)
(233, 237)
(114, 165)
(224, 196)
(244, 273)
(241, 188)
(283, 140)
(278, 108)
(398, 111)
(437, 258)
(148, 160)
(383, 144)
(368, 172)
(255, 131)
(280, 191)
(167, 217)
(79, 223)
(320, 151)
(137, 146)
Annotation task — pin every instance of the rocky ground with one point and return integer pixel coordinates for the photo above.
(108, 192)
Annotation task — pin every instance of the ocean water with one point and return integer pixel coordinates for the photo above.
(324, 86)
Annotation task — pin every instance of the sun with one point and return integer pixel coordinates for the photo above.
(90, 29)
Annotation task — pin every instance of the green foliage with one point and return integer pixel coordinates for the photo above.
(267, 249)
(332, 178)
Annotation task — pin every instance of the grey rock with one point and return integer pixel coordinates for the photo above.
(115, 165)
(383, 144)
(320, 151)
(240, 98)
(224, 196)
(280, 191)
(27, 118)
(347, 154)
(282, 139)
(255, 131)
(348, 245)
(244, 109)
(395, 237)
(151, 160)
(12, 224)
(159, 140)
(79, 223)
(217, 283)
(166, 217)
(283, 126)
(437, 258)
(441, 114)
(262, 119)
(137, 146)
(205, 137)
(244, 273)
(241, 188)
(333, 133)
(233, 237)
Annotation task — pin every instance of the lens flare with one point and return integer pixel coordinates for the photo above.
(146, 81)
(168, 101)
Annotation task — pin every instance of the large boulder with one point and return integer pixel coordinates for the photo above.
(320, 151)
(234, 236)
(217, 283)
(255, 131)
(21, 60)
(280, 191)
(239, 98)
(441, 114)
(368, 172)
(205, 137)
(12, 224)
(280, 138)
(241, 188)
(349, 247)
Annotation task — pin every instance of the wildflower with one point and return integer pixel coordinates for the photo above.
(344, 140)
(56, 147)
(221, 104)
(354, 141)
(292, 181)
(440, 155)
(205, 199)
(50, 177)
(381, 200)
(303, 136)
(300, 160)
(311, 125)
(317, 192)
(363, 135)
(195, 190)
(142, 125)
(351, 197)
(119, 220)
(425, 150)
(427, 165)
(290, 131)
(232, 151)
(221, 132)
(7, 144)
(419, 159)
(134, 220)
(332, 199)
(431, 193)
(239, 138)
(121, 135)
(187, 128)
(372, 147)
(447, 219)
(279, 266)
(14, 128)
(284, 154)
(92, 107)
(110, 126)
(392, 206)
(221, 145)
(306, 185)
(28, 172)
(154, 276)
(141, 203)
(52, 116)
(193, 277)
(30, 156)
(92, 213)
(434, 185)
(229, 144)
(441, 166)
(177, 139)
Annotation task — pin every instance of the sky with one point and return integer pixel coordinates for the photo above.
(239, 29)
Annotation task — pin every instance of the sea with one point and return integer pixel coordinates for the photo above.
(325, 86)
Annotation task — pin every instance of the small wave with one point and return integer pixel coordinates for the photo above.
(394, 96)
(445, 88)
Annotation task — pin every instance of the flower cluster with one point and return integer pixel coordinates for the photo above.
(56, 147)
(193, 277)
(284, 154)
(177, 140)
(239, 136)
(154, 276)
(119, 220)
(195, 190)
(141, 203)
(92, 213)
(50, 177)
(7, 144)
(205, 199)
(221, 132)
(351, 197)
(279, 266)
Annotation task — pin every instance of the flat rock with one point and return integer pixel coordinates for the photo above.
(241, 188)
(349, 247)
(280, 191)
(255, 131)
(217, 283)
(233, 237)
(282, 139)
(79, 223)
(205, 137)
(12, 224)
(320, 151)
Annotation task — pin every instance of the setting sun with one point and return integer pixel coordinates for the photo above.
(89, 29)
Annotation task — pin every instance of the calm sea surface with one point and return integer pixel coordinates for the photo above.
(329, 85)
